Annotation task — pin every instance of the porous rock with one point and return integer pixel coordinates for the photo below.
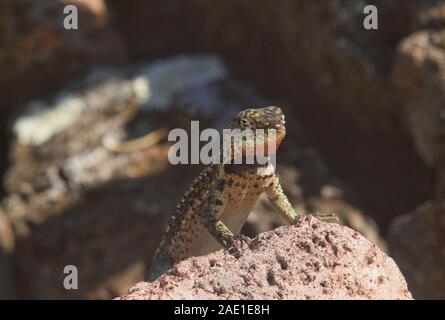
(310, 260)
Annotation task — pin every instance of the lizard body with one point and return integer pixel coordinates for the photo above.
(217, 204)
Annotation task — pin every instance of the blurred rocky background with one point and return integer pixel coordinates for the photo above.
(365, 116)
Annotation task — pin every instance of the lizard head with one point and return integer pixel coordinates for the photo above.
(267, 125)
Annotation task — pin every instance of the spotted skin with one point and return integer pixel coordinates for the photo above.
(217, 204)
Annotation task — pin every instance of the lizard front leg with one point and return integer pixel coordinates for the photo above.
(215, 204)
(279, 200)
(281, 204)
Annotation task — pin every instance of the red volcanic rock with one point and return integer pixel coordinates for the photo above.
(310, 260)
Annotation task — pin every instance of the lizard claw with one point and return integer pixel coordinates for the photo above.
(234, 251)
(243, 239)
(237, 244)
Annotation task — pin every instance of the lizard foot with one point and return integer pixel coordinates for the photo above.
(237, 244)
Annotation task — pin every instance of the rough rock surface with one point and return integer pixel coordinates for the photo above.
(311, 260)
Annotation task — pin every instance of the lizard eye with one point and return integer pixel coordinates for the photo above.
(244, 122)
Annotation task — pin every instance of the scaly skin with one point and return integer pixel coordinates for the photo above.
(216, 206)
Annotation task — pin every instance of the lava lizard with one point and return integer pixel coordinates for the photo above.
(212, 211)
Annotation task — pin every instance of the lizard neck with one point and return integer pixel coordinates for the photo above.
(240, 169)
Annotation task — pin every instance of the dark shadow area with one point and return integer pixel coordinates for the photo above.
(110, 234)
